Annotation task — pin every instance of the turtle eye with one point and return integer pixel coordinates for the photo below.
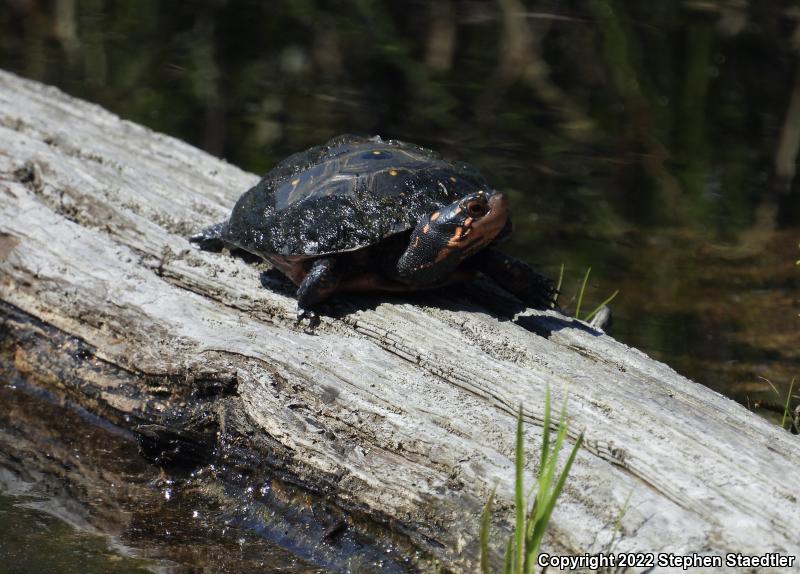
(476, 208)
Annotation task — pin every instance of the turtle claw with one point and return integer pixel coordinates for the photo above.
(310, 314)
(541, 293)
(552, 298)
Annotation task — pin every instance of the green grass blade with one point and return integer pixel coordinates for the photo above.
(547, 473)
(508, 563)
(623, 510)
(600, 306)
(523, 545)
(774, 388)
(558, 285)
(529, 522)
(486, 520)
(559, 486)
(530, 552)
(519, 498)
(545, 429)
(580, 293)
(786, 407)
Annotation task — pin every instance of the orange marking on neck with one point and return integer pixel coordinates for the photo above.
(460, 234)
(426, 229)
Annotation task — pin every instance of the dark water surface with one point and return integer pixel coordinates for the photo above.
(656, 142)
(77, 497)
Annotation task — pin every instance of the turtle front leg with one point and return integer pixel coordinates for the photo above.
(519, 278)
(319, 284)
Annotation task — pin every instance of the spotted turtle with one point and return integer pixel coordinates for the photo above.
(359, 214)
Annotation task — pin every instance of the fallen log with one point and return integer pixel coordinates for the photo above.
(399, 408)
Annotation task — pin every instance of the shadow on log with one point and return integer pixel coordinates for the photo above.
(398, 409)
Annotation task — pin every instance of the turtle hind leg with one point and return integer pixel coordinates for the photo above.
(321, 281)
(517, 277)
(211, 238)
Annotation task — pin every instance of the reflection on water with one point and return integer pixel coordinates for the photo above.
(655, 142)
(35, 538)
(66, 478)
(65, 481)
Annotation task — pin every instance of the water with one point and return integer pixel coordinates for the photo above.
(656, 143)
(76, 496)
(35, 541)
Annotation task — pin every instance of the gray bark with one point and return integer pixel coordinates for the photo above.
(400, 408)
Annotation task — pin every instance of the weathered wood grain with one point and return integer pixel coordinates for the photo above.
(403, 408)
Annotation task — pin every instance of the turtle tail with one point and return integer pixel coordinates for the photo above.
(211, 238)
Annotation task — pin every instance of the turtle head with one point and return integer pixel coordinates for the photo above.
(443, 239)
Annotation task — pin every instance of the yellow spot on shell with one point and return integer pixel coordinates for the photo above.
(376, 152)
(392, 172)
(435, 216)
(453, 178)
(295, 181)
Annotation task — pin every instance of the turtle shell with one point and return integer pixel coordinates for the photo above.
(347, 194)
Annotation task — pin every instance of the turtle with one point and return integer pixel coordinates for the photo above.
(368, 214)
